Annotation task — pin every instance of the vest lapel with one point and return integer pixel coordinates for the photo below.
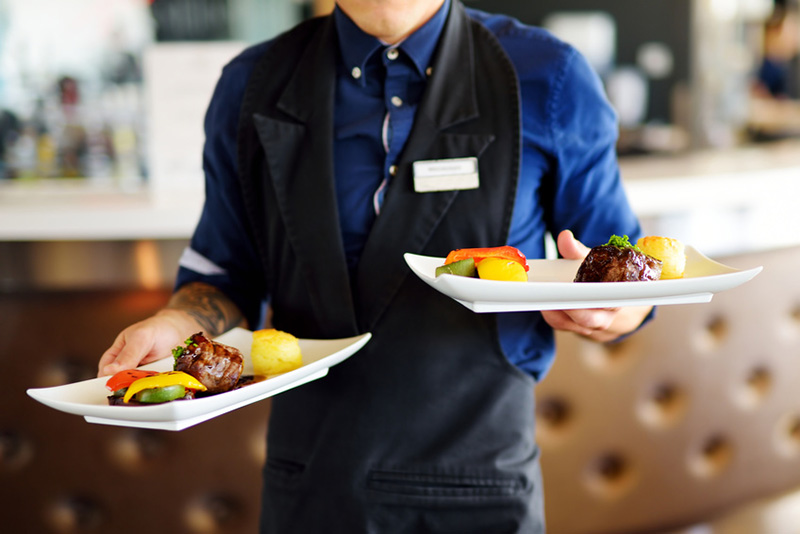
(299, 155)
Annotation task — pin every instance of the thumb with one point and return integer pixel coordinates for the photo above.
(569, 247)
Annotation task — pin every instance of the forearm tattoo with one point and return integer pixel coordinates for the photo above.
(215, 312)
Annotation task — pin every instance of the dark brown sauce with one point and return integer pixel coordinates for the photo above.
(246, 380)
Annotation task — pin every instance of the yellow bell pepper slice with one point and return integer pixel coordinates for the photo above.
(161, 380)
(501, 269)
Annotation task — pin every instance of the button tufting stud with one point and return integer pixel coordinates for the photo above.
(75, 513)
(213, 513)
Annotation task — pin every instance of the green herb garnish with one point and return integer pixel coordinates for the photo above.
(178, 351)
(621, 242)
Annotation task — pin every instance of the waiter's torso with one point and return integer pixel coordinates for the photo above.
(429, 427)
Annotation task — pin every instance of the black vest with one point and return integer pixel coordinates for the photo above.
(429, 428)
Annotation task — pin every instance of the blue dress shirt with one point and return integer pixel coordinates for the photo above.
(378, 89)
(569, 177)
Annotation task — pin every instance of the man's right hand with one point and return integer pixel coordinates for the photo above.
(195, 307)
(147, 341)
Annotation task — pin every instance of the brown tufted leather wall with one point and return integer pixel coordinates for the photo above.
(693, 415)
(59, 474)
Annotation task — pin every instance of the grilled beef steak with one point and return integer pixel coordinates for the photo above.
(609, 263)
(216, 365)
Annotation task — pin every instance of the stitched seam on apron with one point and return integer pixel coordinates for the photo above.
(421, 484)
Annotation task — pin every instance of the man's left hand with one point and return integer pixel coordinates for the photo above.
(599, 324)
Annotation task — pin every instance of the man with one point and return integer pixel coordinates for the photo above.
(312, 200)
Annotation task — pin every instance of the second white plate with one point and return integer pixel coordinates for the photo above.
(550, 286)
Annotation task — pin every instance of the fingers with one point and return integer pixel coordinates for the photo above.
(603, 325)
(582, 322)
(131, 348)
(569, 247)
(105, 366)
(147, 341)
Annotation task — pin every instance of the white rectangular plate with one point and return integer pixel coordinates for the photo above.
(89, 397)
(550, 286)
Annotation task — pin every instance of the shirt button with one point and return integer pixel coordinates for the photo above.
(397, 101)
(356, 72)
(429, 71)
(393, 170)
(392, 53)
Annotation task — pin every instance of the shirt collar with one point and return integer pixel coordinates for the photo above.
(357, 46)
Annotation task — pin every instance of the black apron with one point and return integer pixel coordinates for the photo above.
(429, 428)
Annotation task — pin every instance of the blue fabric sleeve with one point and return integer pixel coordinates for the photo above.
(588, 197)
(222, 234)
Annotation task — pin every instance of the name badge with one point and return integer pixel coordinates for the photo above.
(446, 175)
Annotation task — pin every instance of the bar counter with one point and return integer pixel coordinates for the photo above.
(722, 201)
(741, 198)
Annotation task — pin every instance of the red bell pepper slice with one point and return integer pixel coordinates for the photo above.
(506, 252)
(125, 378)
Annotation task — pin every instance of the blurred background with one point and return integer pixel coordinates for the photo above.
(101, 109)
(683, 74)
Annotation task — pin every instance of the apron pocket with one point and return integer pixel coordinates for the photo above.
(405, 502)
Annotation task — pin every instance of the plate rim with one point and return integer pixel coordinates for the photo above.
(174, 411)
(494, 294)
